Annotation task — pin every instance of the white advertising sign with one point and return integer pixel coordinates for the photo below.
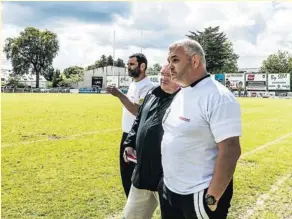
(234, 80)
(112, 81)
(279, 81)
(125, 81)
(255, 81)
(155, 79)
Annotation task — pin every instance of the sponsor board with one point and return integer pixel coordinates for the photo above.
(237, 93)
(255, 81)
(155, 79)
(96, 81)
(281, 94)
(263, 94)
(234, 81)
(280, 81)
(125, 81)
(74, 91)
(88, 91)
(272, 94)
(112, 81)
(220, 78)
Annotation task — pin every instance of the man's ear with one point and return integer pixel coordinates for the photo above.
(196, 60)
(142, 66)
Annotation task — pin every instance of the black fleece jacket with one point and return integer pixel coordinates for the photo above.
(146, 136)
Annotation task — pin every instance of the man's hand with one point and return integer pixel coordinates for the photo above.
(213, 207)
(113, 91)
(130, 105)
(229, 153)
(130, 151)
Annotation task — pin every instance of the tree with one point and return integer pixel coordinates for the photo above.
(280, 62)
(154, 70)
(103, 61)
(106, 61)
(49, 73)
(56, 78)
(70, 75)
(220, 56)
(150, 71)
(120, 63)
(90, 67)
(73, 71)
(32, 50)
(109, 61)
(157, 67)
(13, 82)
(230, 65)
(96, 64)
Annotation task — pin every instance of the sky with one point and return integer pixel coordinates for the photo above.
(85, 29)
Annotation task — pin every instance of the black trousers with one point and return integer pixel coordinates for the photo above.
(193, 206)
(126, 169)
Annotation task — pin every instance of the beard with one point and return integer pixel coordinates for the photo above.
(135, 73)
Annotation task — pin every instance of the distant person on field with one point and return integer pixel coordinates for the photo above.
(200, 146)
(137, 65)
(144, 140)
(228, 84)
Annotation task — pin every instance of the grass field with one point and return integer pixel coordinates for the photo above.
(60, 158)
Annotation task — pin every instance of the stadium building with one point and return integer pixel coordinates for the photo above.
(28, 80)
(105, 76)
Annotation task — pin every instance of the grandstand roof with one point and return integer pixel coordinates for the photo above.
(5, 73)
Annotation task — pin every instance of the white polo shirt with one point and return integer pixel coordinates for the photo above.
(136, 93)
(197, 119)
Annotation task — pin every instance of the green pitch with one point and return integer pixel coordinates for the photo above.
(60, 157)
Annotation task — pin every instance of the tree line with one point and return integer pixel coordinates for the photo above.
(34, 51)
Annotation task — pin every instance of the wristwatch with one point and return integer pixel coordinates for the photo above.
(210, 200)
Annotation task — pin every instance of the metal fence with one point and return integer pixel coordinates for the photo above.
(34, 90)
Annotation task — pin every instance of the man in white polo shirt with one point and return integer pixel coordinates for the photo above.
(200, 146)
(137, 65)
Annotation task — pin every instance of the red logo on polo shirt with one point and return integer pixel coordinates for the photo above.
(250, 77)
(184, 119)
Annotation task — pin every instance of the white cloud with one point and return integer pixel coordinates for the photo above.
(256, 29)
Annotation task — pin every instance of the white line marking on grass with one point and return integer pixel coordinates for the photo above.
(264, 197)
(266, 145)
(71, 137)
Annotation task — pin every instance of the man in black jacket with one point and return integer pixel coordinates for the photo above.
(145, 139)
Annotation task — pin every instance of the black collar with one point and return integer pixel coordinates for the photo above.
(196, 82)
(159, 92)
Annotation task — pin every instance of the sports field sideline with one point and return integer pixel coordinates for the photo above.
(60, 157)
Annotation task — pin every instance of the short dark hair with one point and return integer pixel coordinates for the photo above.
(141, 58)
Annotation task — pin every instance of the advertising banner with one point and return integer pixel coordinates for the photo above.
(256, 81)
(279, 81)
(112, 81)
(234, 81)
(220, 78)
(155, 79)
(97, 81)
(125, 81)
